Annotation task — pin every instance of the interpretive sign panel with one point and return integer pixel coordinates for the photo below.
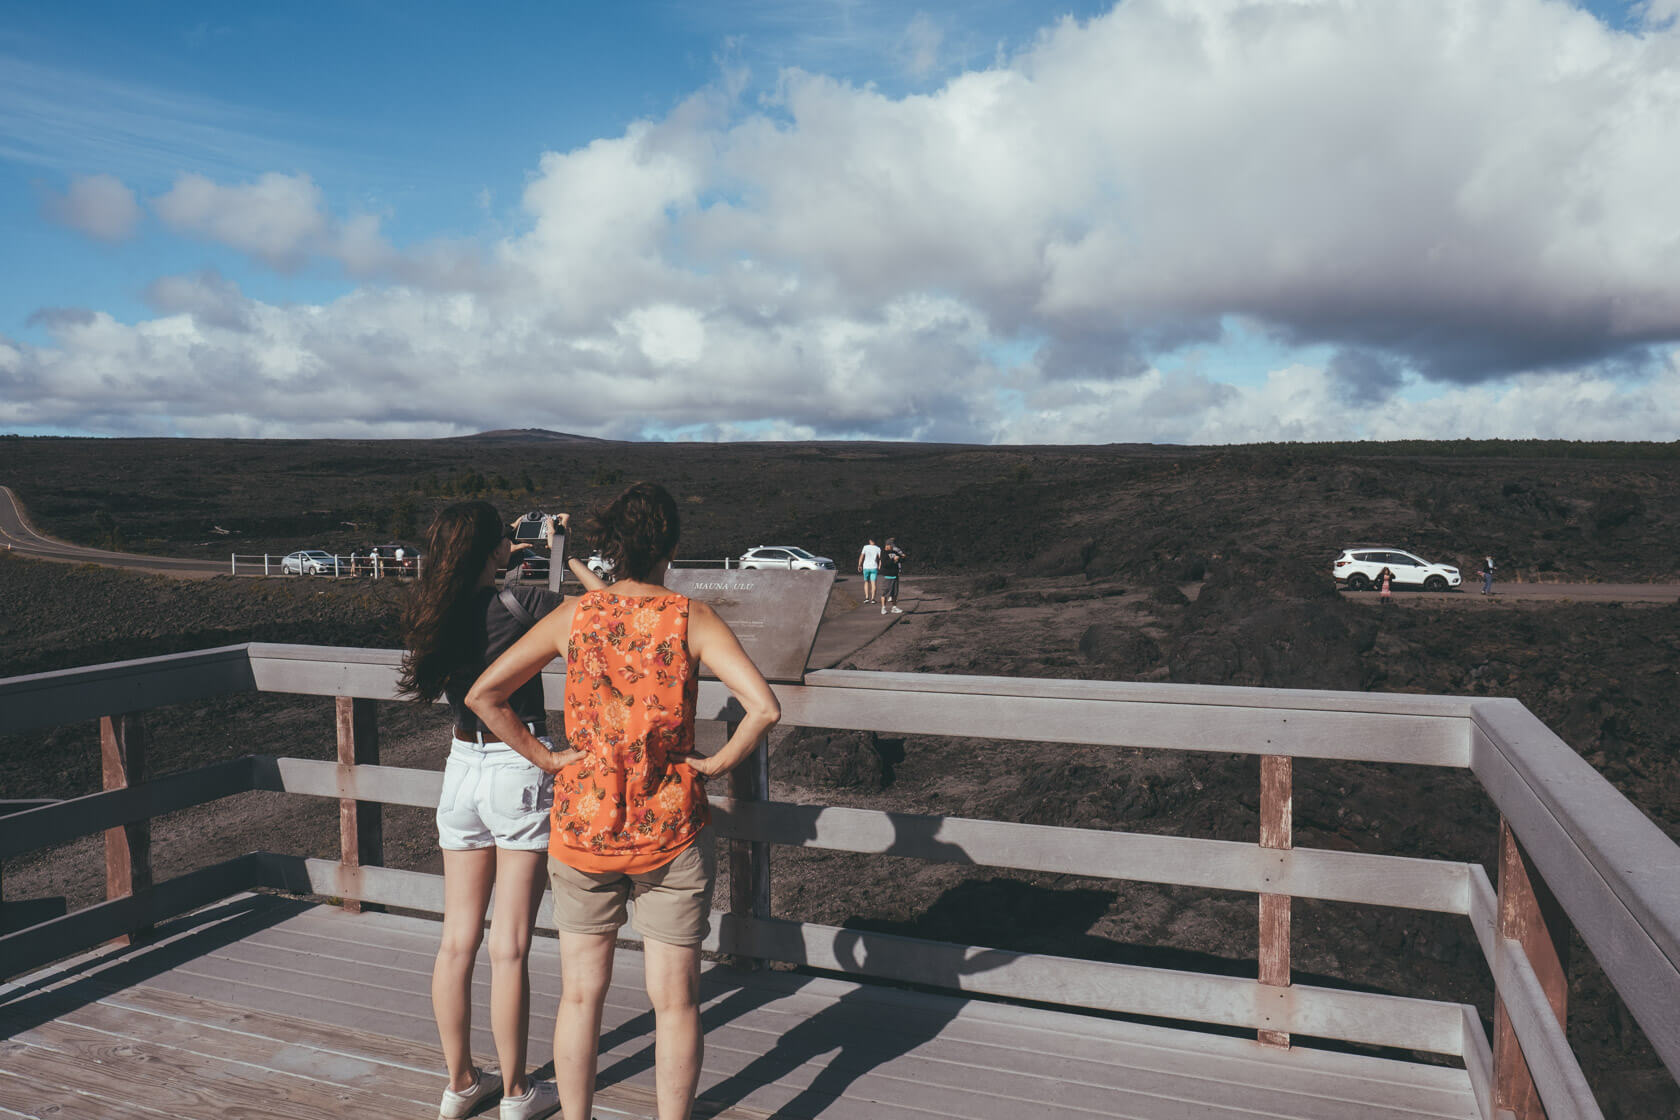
(774, 613)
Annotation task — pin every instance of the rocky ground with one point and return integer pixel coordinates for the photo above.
(1565, 511)
(1197, 569)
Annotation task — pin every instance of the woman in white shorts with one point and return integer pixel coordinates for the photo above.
(493, 815)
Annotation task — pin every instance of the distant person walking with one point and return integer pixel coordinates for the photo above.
(493, 815)
(892, 563)
(1387, 578)
(1487, 576)
(630, 811)
(869, 563)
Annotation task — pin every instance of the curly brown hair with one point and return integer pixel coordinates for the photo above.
(437, 621)
(636, 530)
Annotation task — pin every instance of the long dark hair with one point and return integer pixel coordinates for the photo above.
(636, 530)
(437, 624)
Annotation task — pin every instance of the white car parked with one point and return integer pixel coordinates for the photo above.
(784, 556)
(1359, 569)
(309, 562)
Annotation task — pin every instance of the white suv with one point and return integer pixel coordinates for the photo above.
(1360, 568)
(784, 556)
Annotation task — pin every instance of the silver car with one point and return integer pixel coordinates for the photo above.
(309, 562)
(784, 556)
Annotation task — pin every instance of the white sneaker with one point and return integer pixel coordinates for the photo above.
(456, 1105)
(540, 1100)
(897, 611)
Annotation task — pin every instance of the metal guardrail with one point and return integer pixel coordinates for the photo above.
(343, 567)
(1573, 850)
(364, 567)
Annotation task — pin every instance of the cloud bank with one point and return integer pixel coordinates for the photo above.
(1469, 207)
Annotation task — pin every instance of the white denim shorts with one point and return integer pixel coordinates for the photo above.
(493, 798)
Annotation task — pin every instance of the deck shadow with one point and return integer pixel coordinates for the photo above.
(169, 946)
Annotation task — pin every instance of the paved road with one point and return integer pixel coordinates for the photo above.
(1575, 592)
(18, 535)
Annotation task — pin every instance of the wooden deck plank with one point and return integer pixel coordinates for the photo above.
(957, 1042)
(315, 993)
(410, 1077)
(195, 1084)
(186, 1031)
(421, 933)
(786, 1079)
(738, 1047)
(45, 1098)
(1448, 1101)
(183, 936)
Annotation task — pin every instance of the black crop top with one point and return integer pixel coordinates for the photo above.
(494, 632)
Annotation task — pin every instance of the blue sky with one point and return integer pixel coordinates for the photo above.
(431, 114)
(983, 221)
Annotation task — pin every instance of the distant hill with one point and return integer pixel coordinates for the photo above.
(529, 435)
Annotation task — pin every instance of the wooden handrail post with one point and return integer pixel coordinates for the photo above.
(749, 861)
(128, 848)
(1530, 915)
(1277, 830)
(361, 833)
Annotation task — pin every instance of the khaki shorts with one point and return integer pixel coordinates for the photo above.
(673, 903)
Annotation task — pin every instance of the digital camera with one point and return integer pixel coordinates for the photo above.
(532, 526)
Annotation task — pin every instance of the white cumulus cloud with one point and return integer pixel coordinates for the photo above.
(1470, 206)
(101, 206)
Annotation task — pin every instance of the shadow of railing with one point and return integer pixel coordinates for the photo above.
(171, 944)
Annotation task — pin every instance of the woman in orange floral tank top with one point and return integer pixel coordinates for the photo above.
(630, 813)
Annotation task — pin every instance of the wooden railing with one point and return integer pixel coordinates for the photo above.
(1573, 851)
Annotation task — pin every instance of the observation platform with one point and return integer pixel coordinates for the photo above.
(272, 985)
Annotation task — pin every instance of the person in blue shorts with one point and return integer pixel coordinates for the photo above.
(869, 563)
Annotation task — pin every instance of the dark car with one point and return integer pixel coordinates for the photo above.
(527, 564)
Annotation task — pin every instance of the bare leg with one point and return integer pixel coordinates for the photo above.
(586, 961)
(467, 879)
(673, 984)
(521, 877)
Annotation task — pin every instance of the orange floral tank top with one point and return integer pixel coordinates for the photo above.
(630, 695)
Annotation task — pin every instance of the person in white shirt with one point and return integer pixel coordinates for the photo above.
(869, 563)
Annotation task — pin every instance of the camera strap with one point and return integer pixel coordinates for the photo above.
(517, 609)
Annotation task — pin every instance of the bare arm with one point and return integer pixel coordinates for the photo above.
(489, 695)
(590, 581)
(714, 643)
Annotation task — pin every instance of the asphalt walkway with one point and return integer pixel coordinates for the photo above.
(842, 635)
